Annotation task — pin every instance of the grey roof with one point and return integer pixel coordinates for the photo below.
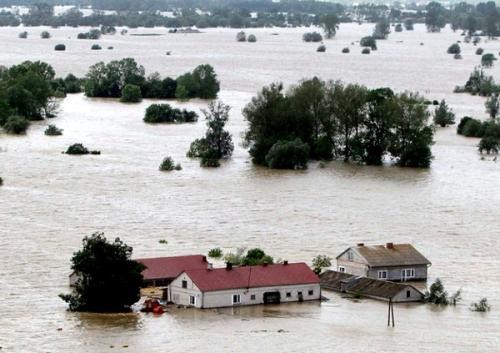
(397, 255)
(362, 285)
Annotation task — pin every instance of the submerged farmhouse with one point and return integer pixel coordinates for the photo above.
(391, 262)
(370, 288)
(247, 285)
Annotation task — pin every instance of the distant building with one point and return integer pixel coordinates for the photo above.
(390, 262)
(247, 285)
(370, 288)
(160, 271)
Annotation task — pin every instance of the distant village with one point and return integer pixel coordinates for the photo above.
(382, 272)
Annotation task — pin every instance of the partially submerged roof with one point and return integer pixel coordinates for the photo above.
(370, 287)
(172, 266)
(208, 280)
(390, 255)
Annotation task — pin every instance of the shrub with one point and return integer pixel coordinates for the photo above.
(487, 60)
(454, 49)
(489, 144)
(479, 51)
(368, 41)
(312, 37)
(438, 294)
(321, 48)
(252, 38)
(72, 84)
(346, 50)
(443, 115)
(288, 155)
(462, 123)
(215, 253)
(365, 51)
(398, 28)
(457, 56)
(45, 35)
(167, 164)
(476, 40)
(110, 48)
(95, 47)
(131, 94)
(60, 47)
(241, 37)
(482, 306)
(408, 25)
(473, 128)
(92, 34)
(77, 148)
(320, 262)
(164, 113)
(53, 130)
(23, 35)
(16, 124)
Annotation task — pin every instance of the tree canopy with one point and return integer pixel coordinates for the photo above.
(108, 279)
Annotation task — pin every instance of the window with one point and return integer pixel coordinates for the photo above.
(408, 294)
(299, 294)
(410, 273)
(192, 300)
(382, 274)
(311, 292)
(184, 284)
(341, 269)
(350, 255)
(236, 299)
(252, 297)
(288, 294)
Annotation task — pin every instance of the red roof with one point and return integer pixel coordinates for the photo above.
(172, 266)
(252, 276)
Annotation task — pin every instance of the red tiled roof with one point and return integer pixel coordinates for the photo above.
(172, 266)
(252, 276)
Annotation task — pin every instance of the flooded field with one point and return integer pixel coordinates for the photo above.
(50, 201)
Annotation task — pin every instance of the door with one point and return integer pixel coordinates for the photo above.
(272, 297)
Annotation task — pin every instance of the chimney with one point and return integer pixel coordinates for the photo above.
(285, 262)
(265, 264)
(389, 245)
(210, 266)
(204, 259)
(361, 244)
(229, 266)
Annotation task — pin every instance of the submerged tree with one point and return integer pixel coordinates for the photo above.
(443, 115)
(330, 24)
(435, 17)
(438, 295)
(108, 279)
(320, 262)
(217, 143)
(492, 105)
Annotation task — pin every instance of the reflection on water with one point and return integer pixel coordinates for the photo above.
(49, 201)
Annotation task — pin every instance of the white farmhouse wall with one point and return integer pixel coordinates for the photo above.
(402, 296)
(180, 295)
(356, 266)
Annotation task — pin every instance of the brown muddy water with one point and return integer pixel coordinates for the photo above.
(49, 201)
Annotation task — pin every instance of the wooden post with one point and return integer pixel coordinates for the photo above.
(392, 305)
(389, 314)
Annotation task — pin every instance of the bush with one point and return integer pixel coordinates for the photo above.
(473, 128)
(408, 25)
(241, 37)
(131, 94)
(92, 34)
(479, 51)
(16, 124)
(346, 50)
(368, 41)
(489, 144)
(443, 115)
(164, 113)
(398, 28)
(454, 49)
(95, 47)
(462, 123)
(487, 60)
(312, 37)
(365, 51)
(457, 56)
(45, 35)
(482, 306)
(23, 35)
(320, 262)
(72, 84)
(215, 253)
(321, 48)
(53, 130)
(438, 294)
(252, 38)
(168, 164)
(60, 47)
(288, 155)
(77, 148)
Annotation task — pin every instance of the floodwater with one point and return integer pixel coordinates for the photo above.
(50, 201)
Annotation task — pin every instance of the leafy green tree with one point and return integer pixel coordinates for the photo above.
(438, 295)
(288, 155)
(217, 143)
(489, 144)
(382, 29)
(215, 253)
(320, 262)
(164, 113)
(487, 60)
(443, 115)
(256, 257)
(206, 82)
(454, 49)
(16, 125)
(369, 41)
(330, 24)
(435, 17)
(109, 280)
(131, 94)
(72, 84)
(492, 105)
